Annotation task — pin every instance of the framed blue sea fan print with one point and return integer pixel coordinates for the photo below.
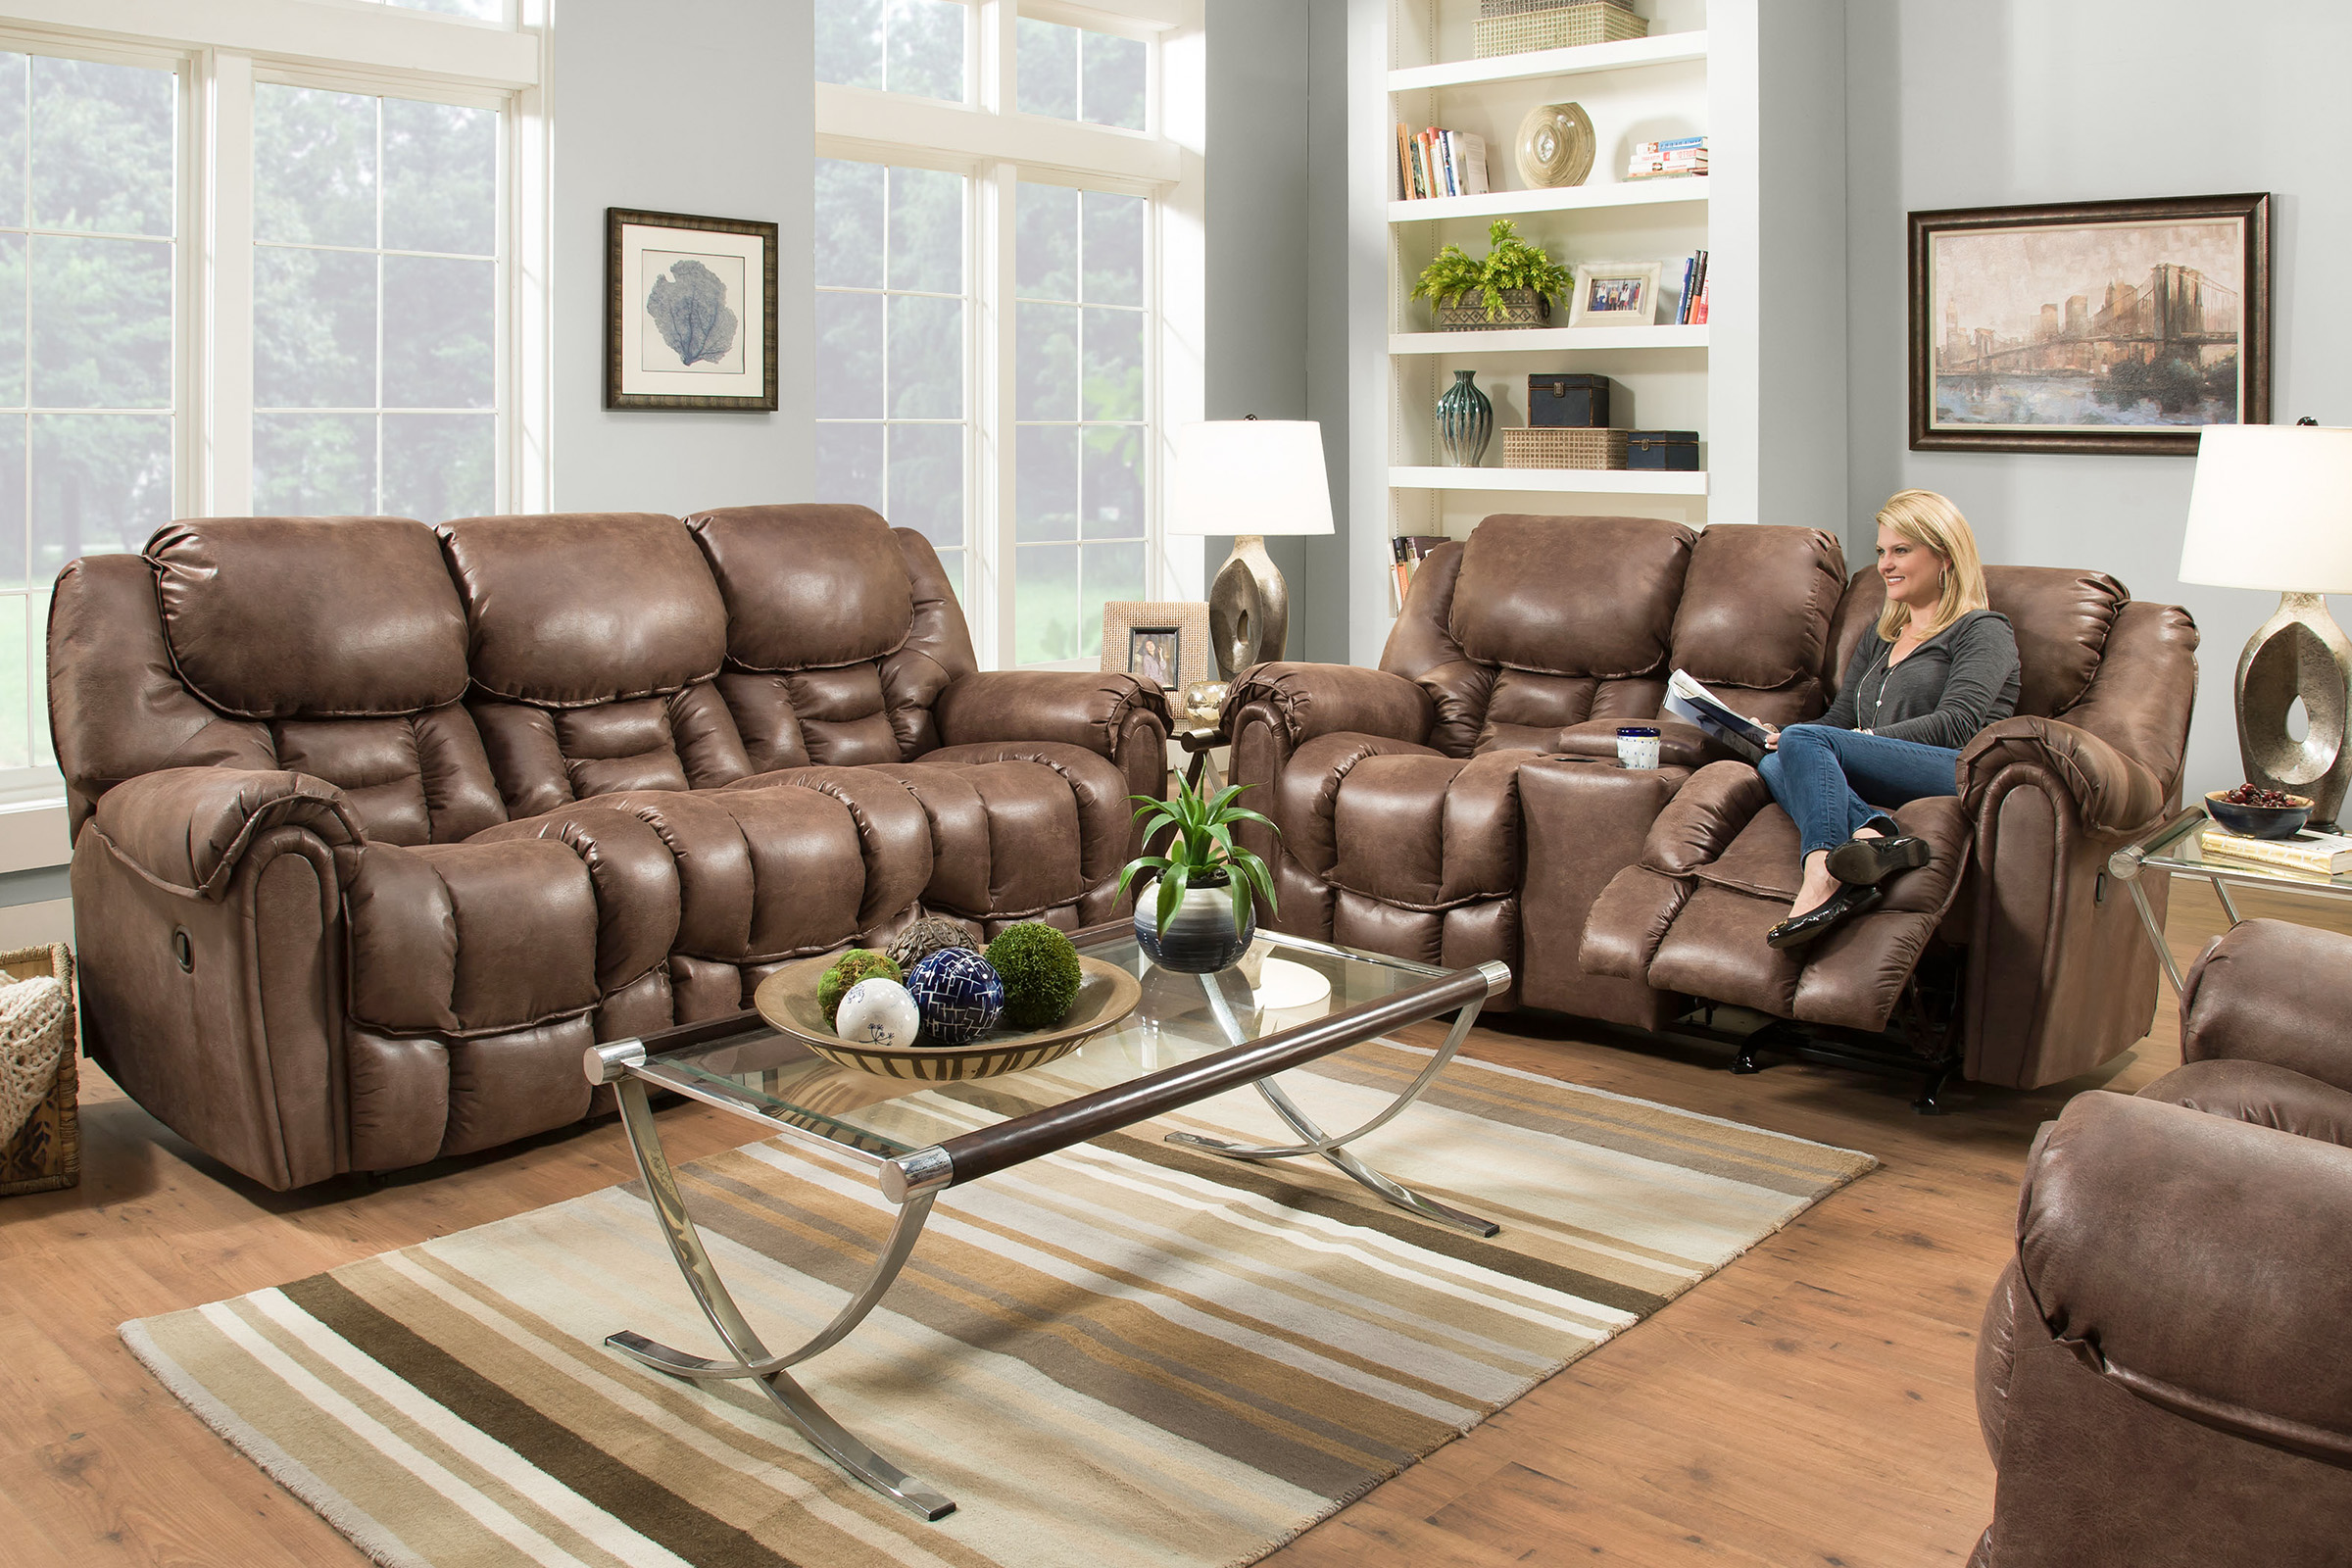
(691, 311)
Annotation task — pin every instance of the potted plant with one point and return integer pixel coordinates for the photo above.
(1515, 286)
(1205, 911)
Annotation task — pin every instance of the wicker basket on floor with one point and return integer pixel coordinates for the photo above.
(1553, 447)
(46, 1152)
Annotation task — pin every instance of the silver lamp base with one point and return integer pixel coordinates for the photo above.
(2300, 652)
(1249, 608)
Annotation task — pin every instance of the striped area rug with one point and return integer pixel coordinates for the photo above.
(1126, 1355)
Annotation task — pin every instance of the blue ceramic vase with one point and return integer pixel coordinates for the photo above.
(1465, 422)
(1200, 937)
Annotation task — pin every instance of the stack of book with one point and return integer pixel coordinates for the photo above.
(1694, 310)
(1441, 163)
(1659, 160)
(2320, 854)
(1410, 549)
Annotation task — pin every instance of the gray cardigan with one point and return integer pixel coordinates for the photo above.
(1943, 693)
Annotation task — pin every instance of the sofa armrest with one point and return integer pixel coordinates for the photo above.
(187, 828)
(2270, 991)
(2114, 795)
(1079, 708)
(2199, 1262)
(1311, 700)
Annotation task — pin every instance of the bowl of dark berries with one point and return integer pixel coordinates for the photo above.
(2258, 813)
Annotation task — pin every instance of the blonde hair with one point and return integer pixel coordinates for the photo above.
(1928, 519)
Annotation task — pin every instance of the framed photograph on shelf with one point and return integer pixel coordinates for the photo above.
(690, 319)
(2090, 326)
(1615, 294)
(1160, 640)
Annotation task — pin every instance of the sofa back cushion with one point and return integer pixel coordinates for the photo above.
(1755, 615)
(2062, 618)
(1571, 596)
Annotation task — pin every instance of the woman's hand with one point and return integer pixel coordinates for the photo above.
(1772, 735)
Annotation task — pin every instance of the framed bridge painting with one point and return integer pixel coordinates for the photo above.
(2091, 327)
(690, 312)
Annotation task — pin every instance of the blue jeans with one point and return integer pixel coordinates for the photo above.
(1836, 781)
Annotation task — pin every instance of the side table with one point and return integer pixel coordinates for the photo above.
(2173, 848)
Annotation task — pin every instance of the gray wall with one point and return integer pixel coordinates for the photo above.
(710, 113)
(2001, 101)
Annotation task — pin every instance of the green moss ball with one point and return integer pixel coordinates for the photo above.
(926, 936)
(858, 964)
(1040, 974)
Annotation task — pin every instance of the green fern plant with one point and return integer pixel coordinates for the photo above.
(1511, 262)
(1203, 853)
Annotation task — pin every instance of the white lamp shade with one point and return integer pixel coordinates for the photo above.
(1237, 477)
(2272, 508)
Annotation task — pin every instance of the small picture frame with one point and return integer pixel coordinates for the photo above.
(1614, 294)
(690, 319)
(1165, 641)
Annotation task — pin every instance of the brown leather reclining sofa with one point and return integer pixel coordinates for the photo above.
(2175, 1314)
(1462, 802)
(379, 827)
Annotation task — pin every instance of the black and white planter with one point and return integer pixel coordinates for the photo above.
(1200, 937)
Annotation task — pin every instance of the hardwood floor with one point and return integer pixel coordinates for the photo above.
(1813, 1403)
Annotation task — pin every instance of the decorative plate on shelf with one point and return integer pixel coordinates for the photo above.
(1554, 146)
(787, 1000)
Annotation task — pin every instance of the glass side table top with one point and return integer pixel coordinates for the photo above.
(2173, 848)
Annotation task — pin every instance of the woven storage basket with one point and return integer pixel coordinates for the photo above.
(1521, 8)
(1597, 22)
(1554, 448)
(46, 1152)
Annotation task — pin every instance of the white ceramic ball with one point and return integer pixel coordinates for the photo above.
(878, 1013)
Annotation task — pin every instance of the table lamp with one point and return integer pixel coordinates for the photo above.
(2272, 508)
(1249, 478)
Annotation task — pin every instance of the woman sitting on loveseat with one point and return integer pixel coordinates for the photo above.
(1940, 668)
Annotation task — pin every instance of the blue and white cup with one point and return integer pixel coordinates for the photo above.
(1638, 745)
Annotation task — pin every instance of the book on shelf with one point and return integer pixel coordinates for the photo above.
(1682, 155)
(2321, 854)
(1691, 702)
(1410, 550)
(1439, 163)
(1695, 281)
(1699, 316)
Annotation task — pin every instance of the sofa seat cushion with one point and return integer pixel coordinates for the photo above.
(1718, 871)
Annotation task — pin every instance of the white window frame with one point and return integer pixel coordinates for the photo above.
(223, 48)
(988, 141)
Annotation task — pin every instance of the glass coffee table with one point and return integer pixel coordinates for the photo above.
(1191, 1036)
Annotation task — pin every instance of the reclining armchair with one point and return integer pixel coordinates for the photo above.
(1462, 802)
(2161, 1377)
(377, 827)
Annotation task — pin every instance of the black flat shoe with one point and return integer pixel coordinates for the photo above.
(1822, 919)
(1860, 862)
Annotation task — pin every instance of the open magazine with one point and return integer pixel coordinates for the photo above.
(1688, 700)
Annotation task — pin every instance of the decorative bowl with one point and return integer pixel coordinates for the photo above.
(787, 1000)
(2259, 821)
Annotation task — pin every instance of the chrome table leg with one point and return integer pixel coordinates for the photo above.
(751, 1358)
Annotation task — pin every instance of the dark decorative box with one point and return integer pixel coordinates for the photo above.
(1673, 450)
(1568, 402)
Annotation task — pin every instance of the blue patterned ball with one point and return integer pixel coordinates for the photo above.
(959, 996)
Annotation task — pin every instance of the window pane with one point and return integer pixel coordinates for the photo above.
(1045, 603)
(477, 10)
(926, 481)
(1046, 482)
(848, 223)
(926, 48)
(926, 357)
(1045, 242)
(14, 91)
(313, 165)
(16, 685)
(13, 543)
(1047, 70)
(314, 465)
(1114, 72)
(440, 466)
(12, 320)
(102, 147)
(1108, 572)
(314, 330)
(439, 328)
(849, 356)
(1113, 495)
(100, 482)
(951, 564)
(37, 667)
(848, 464)
(1114, 249)
(1115, 363)
(849, 42)
(926, 230)
(440, 177)
(1045, 361)
(101, 323)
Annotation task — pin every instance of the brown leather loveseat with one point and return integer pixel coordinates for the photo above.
(1462, 802)
(379, 827)
(2161, 1377)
